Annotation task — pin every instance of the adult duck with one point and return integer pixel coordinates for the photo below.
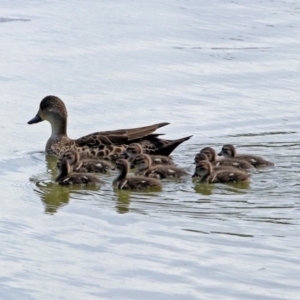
(104, 144)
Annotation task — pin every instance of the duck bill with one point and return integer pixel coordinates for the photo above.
(220, 154)
(35, 120)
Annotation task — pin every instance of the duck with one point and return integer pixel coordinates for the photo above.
(124, 182)
(104, 144)
(205, 171)
(229, 151)
(225, 162)
(215, 166)
(66, 177)
(86, 165)
(135, 148)
(143, 163)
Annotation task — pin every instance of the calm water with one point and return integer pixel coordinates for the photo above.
(224, 71)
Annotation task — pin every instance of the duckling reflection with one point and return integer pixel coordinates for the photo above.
(204, 189)
(123, 201)
(54, 196)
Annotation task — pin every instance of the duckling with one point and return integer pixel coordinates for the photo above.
(225, 162)
(135, 148)
(143, 163)
(86, 165)
(205, 171)
(65, 177)
(215, 165)
(229, 151)
(104, 144)
(199, 157)
(124, 182)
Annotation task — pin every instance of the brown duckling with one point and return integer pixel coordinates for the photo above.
(65, 177)
(216, 166)
(86, 165)
(143, 163)
(206, 173)
(225, 162)
(124, 182)
(229, 151)
(135, 149)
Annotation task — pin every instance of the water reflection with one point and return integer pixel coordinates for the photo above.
(51, 165)
(5, 20)
(232, 188)
(52, 195)
(204, 189)
(122, 201)
(124, 198)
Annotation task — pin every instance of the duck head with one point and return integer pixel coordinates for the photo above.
(53, 110)
(228, 151)
(142, 162)
(202, 169)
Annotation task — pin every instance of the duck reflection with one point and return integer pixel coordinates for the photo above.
(207, 189)
(52, 195)
(203, 188)
(123, 201)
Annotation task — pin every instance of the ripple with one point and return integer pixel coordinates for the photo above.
(5, 20)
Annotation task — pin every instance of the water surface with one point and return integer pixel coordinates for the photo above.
(222, 71)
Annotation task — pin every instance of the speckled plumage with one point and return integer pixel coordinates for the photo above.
(105, 144)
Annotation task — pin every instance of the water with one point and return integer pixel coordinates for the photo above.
(223, 71)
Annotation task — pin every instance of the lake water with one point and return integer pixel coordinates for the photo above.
(223, 71)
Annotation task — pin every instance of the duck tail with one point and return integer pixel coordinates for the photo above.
(169, 147)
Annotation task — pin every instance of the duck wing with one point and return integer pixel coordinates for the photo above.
(134, 133)
(119, 136)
